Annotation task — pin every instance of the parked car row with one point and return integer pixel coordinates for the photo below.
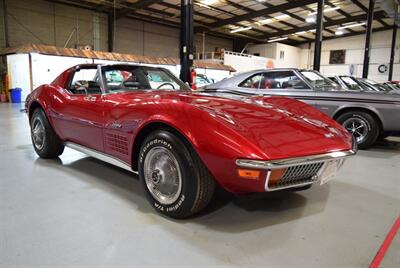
(368, 114)
(184, 143)
(362, 84)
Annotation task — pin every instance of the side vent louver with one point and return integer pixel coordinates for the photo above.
(117, 143)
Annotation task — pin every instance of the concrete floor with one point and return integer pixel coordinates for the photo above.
(77, 211)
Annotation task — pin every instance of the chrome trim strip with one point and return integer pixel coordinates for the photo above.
(287, 162)
(99, 155)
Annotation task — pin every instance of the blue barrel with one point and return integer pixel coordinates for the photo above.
(15, 94)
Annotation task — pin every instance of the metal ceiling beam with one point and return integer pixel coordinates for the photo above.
(377, 15)
(292, 15)
(172, 15)
(343, 13)
(81, 4)
(172, 24)
(262, 12)
(380, 29)
(168, 5)
(246, 9)
(325, 17)
(131, 7)
(365, 9)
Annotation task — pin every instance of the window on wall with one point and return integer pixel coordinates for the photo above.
(282, 55)
(337, 56)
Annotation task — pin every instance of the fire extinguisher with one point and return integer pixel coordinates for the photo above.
(193, 79)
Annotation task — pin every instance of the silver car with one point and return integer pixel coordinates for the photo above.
(368, 115)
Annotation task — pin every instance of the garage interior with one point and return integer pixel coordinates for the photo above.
(76, 210)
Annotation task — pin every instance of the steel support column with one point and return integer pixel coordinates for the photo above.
(318, 35)
(111, 30)
(5, 24)
(186, 40)
(392, 50)
(371, 7)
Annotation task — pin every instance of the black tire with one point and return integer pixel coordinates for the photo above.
(51, 146)
(383, 136)
(197, 184)
(372, 126)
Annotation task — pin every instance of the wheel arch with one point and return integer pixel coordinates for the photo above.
(146, 130)
(371, 112)
(33, 106)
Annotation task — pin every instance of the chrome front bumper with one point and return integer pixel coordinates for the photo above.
(300, 171)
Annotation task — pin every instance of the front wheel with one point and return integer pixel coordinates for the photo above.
(363, 126)
(175, 180)
(45, 141)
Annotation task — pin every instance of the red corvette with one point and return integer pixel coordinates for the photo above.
(184, 143)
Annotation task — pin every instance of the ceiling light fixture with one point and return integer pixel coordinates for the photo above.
(339, 32)
(311, 19)
(326, 9)
(209, 2)
(282, 17)
(241, 29)
(302, 32)
(271, 20)
(351, 25)
(277, 39)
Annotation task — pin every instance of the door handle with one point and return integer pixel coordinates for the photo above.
(90, 98)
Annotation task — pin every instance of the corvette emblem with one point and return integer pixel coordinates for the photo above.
(116, 125)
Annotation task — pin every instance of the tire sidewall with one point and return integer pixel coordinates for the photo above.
(38, 114)
(186, 199)
(372, 127)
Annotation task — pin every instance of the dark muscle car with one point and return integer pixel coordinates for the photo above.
(368, 115)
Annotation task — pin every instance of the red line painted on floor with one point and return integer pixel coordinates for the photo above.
(385, 245)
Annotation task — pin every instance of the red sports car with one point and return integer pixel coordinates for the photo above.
(184, 143)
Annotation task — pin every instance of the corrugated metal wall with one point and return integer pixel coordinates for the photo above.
(42, 22)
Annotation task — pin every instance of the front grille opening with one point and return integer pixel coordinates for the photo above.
(297, 175)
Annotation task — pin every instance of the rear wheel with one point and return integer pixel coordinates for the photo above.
(45, 141)
(363, 126)
(175, 180)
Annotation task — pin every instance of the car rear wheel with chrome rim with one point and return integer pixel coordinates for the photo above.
(45, 141)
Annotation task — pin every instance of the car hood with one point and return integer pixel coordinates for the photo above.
(279, 127)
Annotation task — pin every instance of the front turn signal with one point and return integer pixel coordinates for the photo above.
(275, 175)
(249, 174)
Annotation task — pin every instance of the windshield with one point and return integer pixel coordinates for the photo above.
(372, 84)
(352, 84)
(319, 81)
(126, 78)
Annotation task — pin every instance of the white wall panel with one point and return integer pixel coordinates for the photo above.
(18, 70)
(354, 46)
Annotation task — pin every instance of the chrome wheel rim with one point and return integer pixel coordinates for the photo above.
(38, 133)
(358, 127)
(162, 175)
